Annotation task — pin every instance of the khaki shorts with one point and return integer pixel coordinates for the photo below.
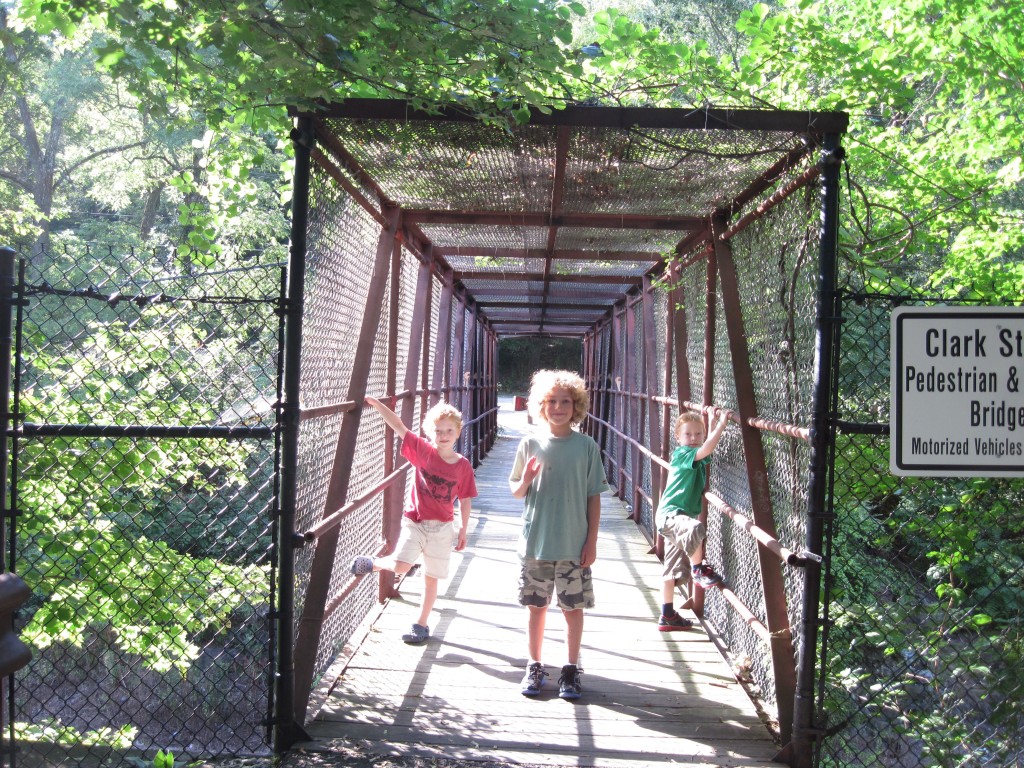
(432, 539)
(572, 585)
(683, 536)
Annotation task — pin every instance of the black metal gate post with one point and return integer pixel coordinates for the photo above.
(822, 440)
(287, 731)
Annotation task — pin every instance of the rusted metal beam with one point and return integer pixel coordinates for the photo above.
(544, 219)
(539, 253)
(590, 294)
(318, 591)
(783, 661)
(551, 305)
(484, 274)
(650, 382)
(441, 357)
(758, 120)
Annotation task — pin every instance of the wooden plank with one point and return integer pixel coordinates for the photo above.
(649, 697)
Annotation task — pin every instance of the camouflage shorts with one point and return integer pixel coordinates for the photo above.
(683, 536)
(571, 584)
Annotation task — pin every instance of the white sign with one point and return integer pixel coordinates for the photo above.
(957, 407)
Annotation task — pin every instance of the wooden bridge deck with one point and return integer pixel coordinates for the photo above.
(649, 697)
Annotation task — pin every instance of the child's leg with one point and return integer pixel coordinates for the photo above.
(535, 630)
(429, 596)
(573, 633)
(398, 567)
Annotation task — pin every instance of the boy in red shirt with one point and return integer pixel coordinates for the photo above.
(442, 477)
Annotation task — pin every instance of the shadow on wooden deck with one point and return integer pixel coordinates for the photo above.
(649, 698)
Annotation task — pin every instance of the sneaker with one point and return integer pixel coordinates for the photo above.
(418, 634)
(361, 565)
(533, 680)
(673, 623)
(705, 575)
(569, 683)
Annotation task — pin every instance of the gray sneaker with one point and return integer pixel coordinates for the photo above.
(533, 680)
(361, 565)
(418, 634)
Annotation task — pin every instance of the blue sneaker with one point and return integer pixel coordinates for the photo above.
(533, 680)
(418, 634)
(569, 683)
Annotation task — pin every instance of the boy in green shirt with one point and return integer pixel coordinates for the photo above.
(678, 518)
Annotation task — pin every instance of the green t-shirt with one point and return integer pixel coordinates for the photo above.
(555, 505)
(685, 485)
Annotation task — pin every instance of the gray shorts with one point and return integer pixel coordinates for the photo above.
(431, 538)
(572, 585)
(683, 536)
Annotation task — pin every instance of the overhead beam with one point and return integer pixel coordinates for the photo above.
(423, 216)
(796, 121)
(539, 276)
(576, 254)
(612, 296)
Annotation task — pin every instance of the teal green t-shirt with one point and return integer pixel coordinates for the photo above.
(685, 485)
(555, 506)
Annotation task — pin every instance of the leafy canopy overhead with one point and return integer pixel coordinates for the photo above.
(489, 55)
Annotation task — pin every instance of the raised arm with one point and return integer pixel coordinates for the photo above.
(390, 417)
(719, 421)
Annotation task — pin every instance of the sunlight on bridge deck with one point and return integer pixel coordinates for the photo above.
(649, 698)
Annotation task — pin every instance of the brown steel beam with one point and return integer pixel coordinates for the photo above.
(311, 623)
(540, 253)
(758, 120)
(544, 219)
(551, 305)
(650, 376)
(441, 357)
(464, 275)
(777, 617)
(612, 296)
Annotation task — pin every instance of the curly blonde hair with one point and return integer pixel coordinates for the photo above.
(545, 382)
(441, 410)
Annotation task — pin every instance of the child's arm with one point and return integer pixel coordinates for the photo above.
(589, 553)
(390, 417)
(522, 485)
(465, 507)
(720, 417)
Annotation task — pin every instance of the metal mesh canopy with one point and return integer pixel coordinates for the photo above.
(544, 228)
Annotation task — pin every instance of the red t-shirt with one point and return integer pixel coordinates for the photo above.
(436, 483)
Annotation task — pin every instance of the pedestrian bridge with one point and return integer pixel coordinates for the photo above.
(689, 251)
(650, 698)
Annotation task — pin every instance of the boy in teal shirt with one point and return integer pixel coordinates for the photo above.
(559, 475)
(678, 518)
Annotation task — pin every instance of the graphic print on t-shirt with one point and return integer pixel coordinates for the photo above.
(438, 487)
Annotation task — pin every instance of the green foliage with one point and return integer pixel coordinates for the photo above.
(94, 575)
(48, 731)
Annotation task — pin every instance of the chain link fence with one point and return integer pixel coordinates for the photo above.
(923, 641)
(142, 504)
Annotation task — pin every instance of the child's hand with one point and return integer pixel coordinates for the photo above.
(461, 544)
(588, 555)
(531, 470)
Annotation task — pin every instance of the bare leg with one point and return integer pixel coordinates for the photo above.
(573, 633)
(535, 630)
(399, 567)
(429, 596)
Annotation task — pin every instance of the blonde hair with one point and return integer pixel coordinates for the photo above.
(441, 410)
(685, 418)
(545, 382)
